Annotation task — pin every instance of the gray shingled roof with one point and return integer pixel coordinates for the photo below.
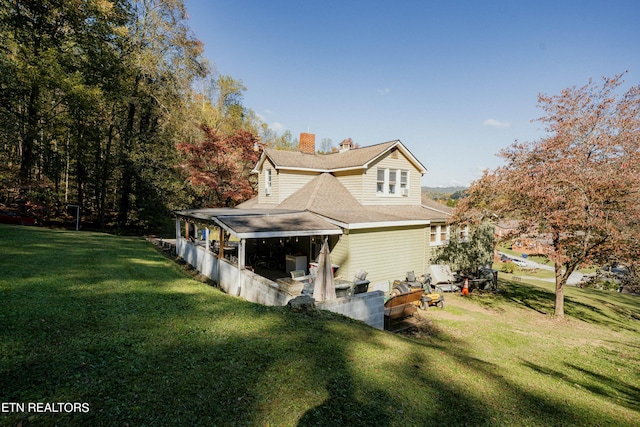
(351, 159)
(326, 196)
(282, 224)
(262, 223)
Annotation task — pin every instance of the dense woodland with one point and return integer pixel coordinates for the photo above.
(110, 105)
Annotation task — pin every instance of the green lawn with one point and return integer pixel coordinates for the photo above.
(109, 322)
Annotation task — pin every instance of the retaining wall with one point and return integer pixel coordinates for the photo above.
(367, 307)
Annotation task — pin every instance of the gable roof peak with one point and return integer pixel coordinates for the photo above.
(353, 158)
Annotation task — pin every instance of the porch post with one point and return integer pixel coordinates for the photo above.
(240, 266)
(221, 251)
(241, 251)
(178, 237)
(206, 240)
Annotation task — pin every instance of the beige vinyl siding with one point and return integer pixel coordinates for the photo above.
(291, 181)
(263, 198)
(386, 254)
(369, 193)
(353, 181)
(340, 256)
(428, 252)
(415, 187)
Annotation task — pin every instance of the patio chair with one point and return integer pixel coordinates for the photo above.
(360, 283)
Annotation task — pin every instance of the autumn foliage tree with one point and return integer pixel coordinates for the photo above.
(577, 188)
(219, 167)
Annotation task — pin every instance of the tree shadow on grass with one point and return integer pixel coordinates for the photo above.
(152, 355)
(542, 301)
(609, 388)
(155, 349)
(529, 296)
(342, 407)
(450, 403)
(618, 312)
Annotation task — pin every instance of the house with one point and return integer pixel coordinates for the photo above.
(506, 228)
(365, 201)
(373, 194)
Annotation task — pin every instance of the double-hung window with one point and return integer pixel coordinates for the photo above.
(380, 181)
(267, 181)
(439, 235)
(404, 183)
(392, 182)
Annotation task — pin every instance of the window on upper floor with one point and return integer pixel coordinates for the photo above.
(380, 181)
(267, 181)
(404, 183)
(392, 182)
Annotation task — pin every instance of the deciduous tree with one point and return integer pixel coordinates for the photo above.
(219, 167)
(578, 186)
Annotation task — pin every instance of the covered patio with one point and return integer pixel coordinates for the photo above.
(251, 253)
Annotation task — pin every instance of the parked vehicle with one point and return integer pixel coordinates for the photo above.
(519, 262)
(9, 217)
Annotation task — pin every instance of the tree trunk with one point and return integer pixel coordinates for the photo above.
(126, 163)
(560, 282)
(31, 135)
(104, 178)
(127, 169)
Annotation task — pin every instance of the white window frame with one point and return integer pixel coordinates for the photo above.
(393, 181)
(439, 231)
(267, 181)
(390, 183)
(380, 183)
(404, 186)
(464, 234)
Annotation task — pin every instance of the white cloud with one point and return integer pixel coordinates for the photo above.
(383, 91)
(276, 126)
(496, 123)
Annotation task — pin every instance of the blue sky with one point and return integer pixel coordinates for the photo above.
(455, 81)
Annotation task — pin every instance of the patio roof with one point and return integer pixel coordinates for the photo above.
(263, 223)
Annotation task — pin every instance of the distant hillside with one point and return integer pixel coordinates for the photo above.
(448, 196)
(439, 192)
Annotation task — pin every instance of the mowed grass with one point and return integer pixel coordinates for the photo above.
(110, 322)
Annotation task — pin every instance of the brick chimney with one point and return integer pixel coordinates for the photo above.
(307, 143)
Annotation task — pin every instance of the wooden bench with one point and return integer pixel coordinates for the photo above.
(401, 306)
